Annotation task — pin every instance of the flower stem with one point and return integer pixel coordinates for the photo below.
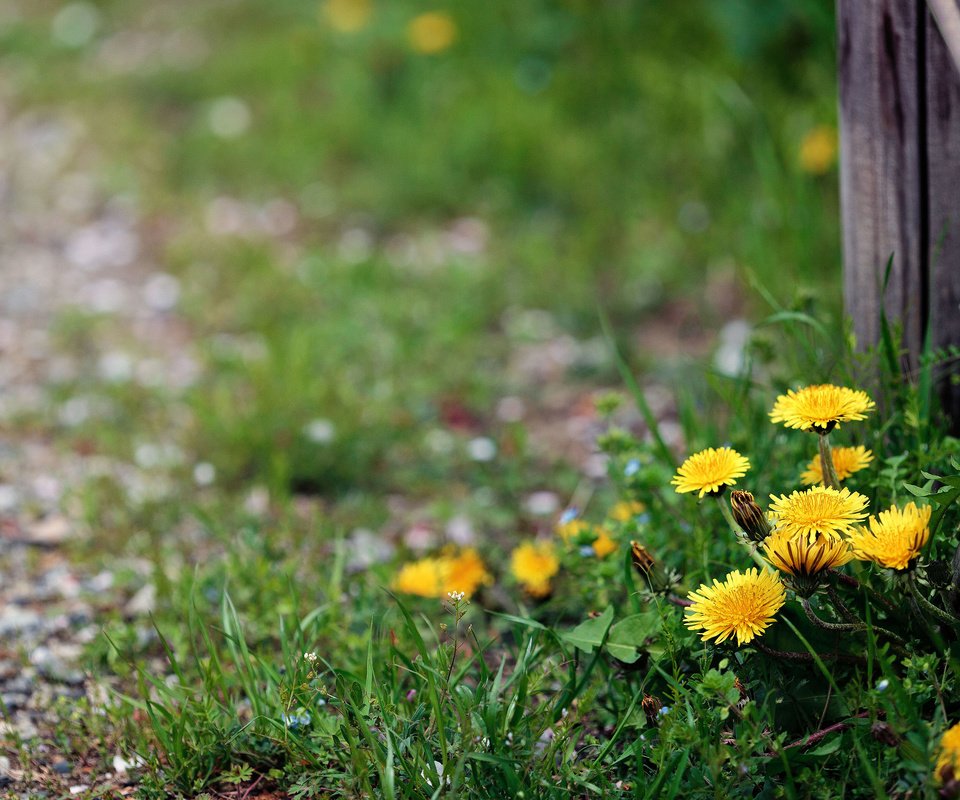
(728, 515)
(739, 533)
(816, 736)
(926, 605)
(841, 606)
(786, 655)
(933, 633)
(791, 655)
(844, 626)
(826, 462)
(822, 623)
(852, 582)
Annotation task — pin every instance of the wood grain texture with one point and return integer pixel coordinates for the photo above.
(943, 186)
(900, 176)
(946, 13)
(880, 165)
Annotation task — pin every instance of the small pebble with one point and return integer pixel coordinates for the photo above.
(15, 619)
(13, 701)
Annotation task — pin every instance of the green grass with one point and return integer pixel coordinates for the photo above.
(568, 172)
(614, 157)
(504, 696)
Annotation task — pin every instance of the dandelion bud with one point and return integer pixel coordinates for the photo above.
(749, 515)
(741, 689)
(658, 581)
(651, 708)
(884, 734)
(642, 560)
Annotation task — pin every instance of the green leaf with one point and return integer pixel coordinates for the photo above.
(831, 745)
(524, 621)
(591, 633)
(630, 633)
(795, 316)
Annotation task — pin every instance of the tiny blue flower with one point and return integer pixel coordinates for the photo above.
(664, 711)
(587, 551)
(297, 720)
(643, 518)
(569, 515)
(632, 467)
(882, 685)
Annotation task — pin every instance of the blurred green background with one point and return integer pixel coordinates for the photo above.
(373, 206)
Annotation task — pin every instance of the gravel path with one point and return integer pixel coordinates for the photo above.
(66, 247)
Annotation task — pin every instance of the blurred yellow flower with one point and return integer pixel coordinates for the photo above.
(465, 573)
(895, 538)
(710, 471)
(743, 605)
(846, 461)
(823, 407)
(626, 511)
(948, 763)
(437, 576)
(818, 150)
(571, 529)
(423, 578)
(347, 16)
(432, 32)
(604, 545)
(829, 512)
(533, 564)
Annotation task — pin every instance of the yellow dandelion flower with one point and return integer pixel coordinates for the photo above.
(604, 544)
(571, 529)
(846, 461)
(423, 577)
(533, 564)
(347, 16)
(895, 538)
(465, 573)
(432, 32)
(805, 557)
(818, 150)
(744, 605)
(821, 407)
(948, 764)
(626, 511)
(710, 471)
(829, 512)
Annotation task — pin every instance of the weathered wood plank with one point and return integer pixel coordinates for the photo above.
(943, 190)
(900, 174)
(881, 166)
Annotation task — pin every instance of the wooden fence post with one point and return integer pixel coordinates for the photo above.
(900, 175)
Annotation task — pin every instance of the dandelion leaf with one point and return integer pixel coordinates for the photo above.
(592, 632)
(629, 635)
